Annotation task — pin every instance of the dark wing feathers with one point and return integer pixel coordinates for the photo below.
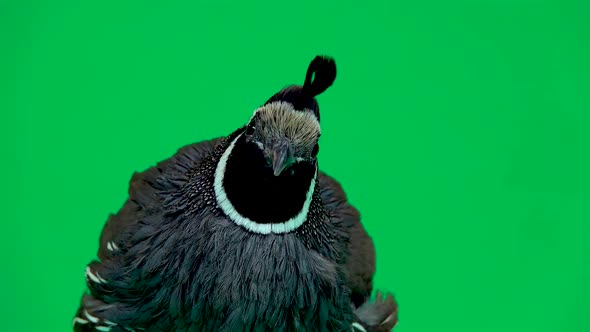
(381, 314)
(143, 196)
(94, 311)
(360, 265)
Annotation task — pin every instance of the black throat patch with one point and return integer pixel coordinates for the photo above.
(256, 193)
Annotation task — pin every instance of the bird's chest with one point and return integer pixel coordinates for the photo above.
(267, 282)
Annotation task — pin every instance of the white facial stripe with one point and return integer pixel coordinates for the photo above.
(228, 208)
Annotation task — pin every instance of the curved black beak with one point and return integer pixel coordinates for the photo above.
(281, 157)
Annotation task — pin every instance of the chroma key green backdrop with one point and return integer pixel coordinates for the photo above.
(460, 129)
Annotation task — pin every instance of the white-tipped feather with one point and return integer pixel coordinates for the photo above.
(102, 281)
(358, 327)
(78, 320)
(389, 318)
(96, 278)
(228, 208)
(111, 246)
(91, 275)
(90, 317)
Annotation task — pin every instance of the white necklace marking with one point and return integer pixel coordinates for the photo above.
(253, 226)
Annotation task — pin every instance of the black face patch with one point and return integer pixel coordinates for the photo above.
(256, 193)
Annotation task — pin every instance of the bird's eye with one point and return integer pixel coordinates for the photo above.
(250, 129)
(315, 151)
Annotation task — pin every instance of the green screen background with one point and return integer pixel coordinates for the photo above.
(460, 129)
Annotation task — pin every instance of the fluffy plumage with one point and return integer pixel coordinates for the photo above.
(172, 259)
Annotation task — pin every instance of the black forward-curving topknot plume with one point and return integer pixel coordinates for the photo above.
(323, 71)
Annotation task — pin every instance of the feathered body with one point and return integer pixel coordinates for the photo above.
(174, 258)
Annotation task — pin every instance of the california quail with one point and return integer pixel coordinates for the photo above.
(239, 233)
